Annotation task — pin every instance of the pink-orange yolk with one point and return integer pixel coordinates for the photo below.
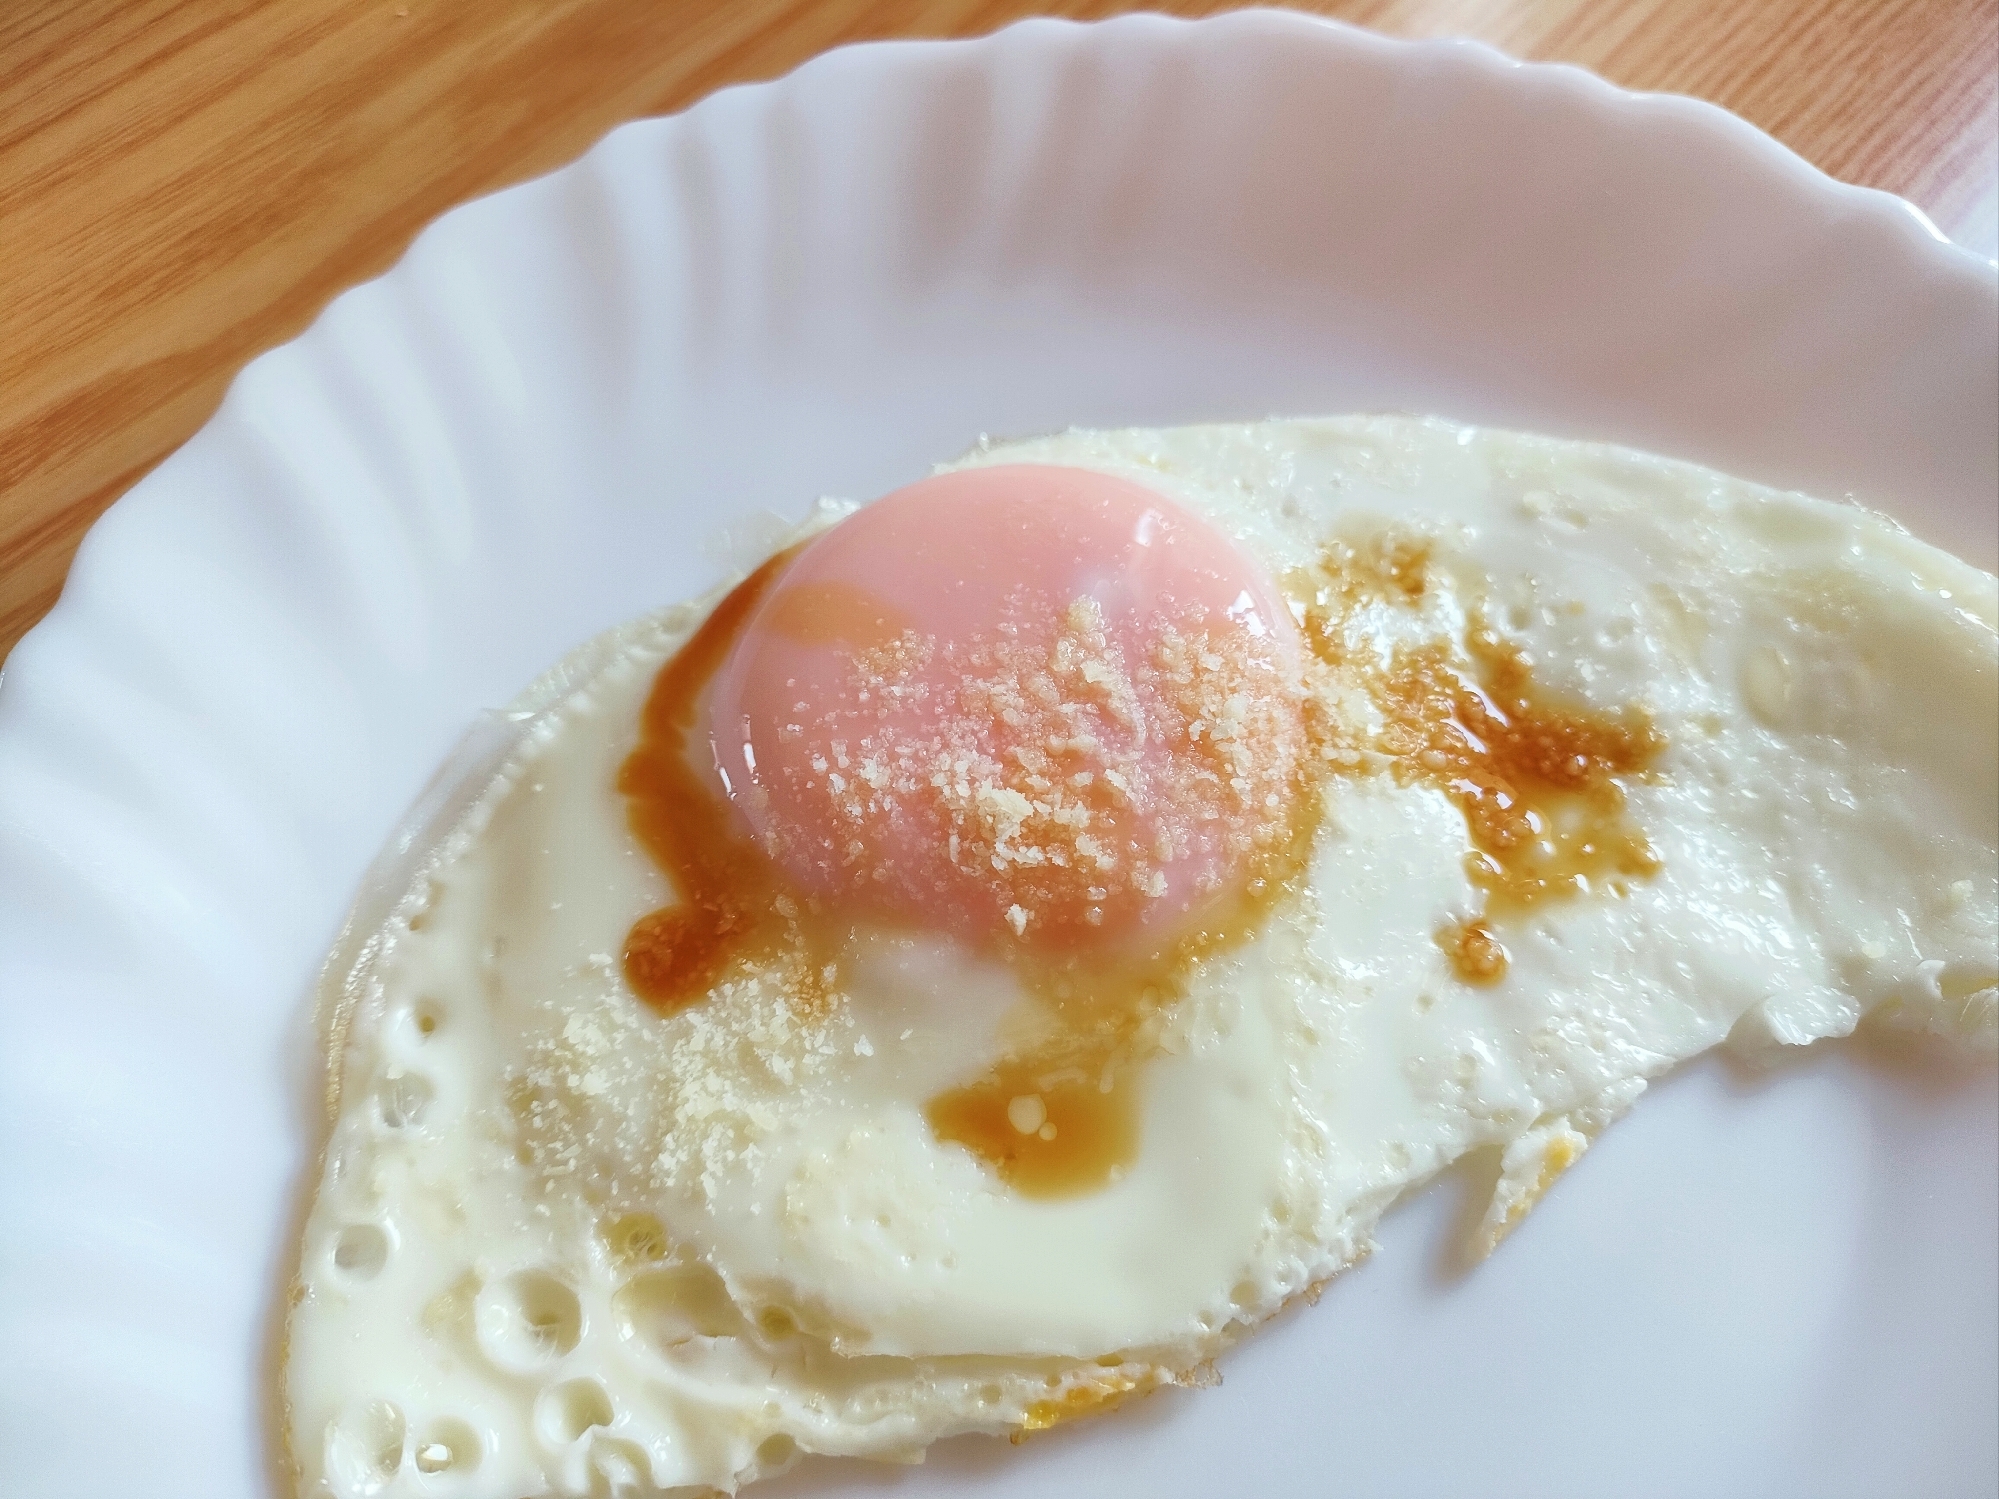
(1021, 700)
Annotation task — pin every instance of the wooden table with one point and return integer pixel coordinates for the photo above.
(183, 185)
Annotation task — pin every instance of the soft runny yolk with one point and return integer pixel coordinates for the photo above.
(1028, 704)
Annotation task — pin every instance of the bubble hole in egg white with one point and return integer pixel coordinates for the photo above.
(562, 1243)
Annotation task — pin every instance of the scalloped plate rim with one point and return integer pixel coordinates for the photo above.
(68, 629)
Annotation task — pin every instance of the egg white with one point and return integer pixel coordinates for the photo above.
(478, 1315)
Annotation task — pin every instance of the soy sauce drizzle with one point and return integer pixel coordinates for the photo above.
(1541, 783)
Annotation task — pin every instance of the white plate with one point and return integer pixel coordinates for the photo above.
(539, 421)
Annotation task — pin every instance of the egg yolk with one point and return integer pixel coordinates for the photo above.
(1030, 704)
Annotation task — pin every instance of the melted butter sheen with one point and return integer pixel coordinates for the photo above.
(1077, 1086)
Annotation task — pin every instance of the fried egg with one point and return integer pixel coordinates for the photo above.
(1001, 951)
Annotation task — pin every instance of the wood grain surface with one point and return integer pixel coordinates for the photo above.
(184, 183)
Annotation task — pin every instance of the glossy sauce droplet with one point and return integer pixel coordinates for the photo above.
(1478, 956)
